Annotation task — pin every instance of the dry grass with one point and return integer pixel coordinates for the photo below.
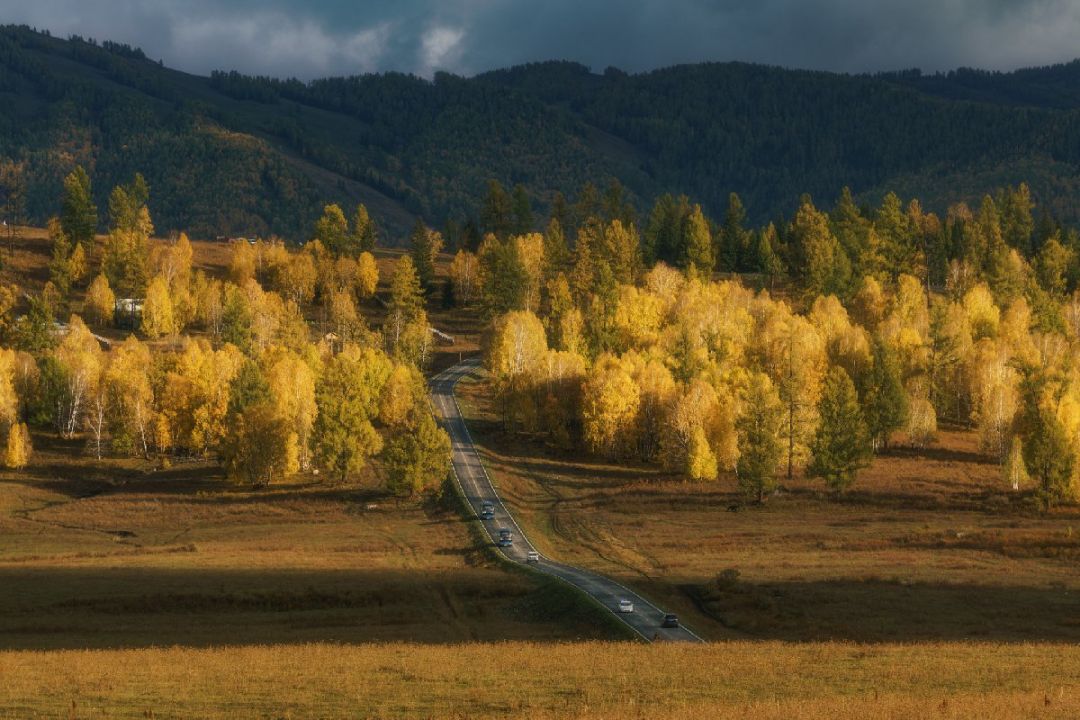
(113, 554)
(601, 680)
(267, 595)
(929, 545)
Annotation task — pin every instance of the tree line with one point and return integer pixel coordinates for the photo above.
(272, 370)
(871, 323)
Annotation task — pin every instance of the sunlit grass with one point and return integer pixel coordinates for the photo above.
(607, 680)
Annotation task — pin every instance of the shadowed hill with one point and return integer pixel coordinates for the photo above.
(231, 154)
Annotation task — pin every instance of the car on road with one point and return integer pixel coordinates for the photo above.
(532, 557)
(625, 606)
(487, 511)
(506, 538)
(670, 621)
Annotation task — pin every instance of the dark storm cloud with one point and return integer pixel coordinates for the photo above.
(310, 38)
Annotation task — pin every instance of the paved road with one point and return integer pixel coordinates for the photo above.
(477, 487)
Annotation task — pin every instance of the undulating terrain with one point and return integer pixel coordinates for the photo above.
(235, 155)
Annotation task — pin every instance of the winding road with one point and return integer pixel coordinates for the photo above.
(477, 487)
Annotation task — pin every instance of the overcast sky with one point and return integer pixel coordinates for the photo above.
(313, 38)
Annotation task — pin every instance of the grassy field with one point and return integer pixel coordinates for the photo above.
(928, 546)
(110, 554)
(132, 591)
(563, 680)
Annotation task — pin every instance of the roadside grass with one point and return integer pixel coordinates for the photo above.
(929, 545)
(551, 680)
(127, 591)
(112, 554)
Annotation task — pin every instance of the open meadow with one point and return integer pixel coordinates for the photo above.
(96, 555)
(131, 588)
(125, 552)
(927, 546)
(612, 681)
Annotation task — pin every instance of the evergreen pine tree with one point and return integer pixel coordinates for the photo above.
(556, 253)
(769, 263)
(698, 243)
(1048, 454)
(332, 230)
(522, 208)
(758, 430)
(421, 250)
(497, 214)
(364, 232)
(841, 445)
(417, 460)
(733, 240)
(884, 399)
(78, 213)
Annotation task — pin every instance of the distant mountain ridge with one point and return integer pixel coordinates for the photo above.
(236, 155)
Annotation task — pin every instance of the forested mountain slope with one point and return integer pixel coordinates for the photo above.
(232, 154)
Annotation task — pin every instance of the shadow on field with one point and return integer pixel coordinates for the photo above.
(55, 608)
(890, 611)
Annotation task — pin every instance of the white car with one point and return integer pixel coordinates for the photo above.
(625, 606)
(532, 557)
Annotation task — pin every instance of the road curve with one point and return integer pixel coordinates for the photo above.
(477, 488)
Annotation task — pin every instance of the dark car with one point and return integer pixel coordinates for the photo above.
(506, 538)
(670, 621)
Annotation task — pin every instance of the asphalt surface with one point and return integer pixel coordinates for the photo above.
(645, 619)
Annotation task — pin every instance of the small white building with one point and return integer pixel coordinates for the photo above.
(127, 312)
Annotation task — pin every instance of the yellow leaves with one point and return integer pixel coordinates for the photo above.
(259, 446)
(403, 391)
(868, 305)
(699, 431)
(464, 276)
(18, 447)
(345, 322)
(712, 322)
(909, 306)
(158, 316)
(9, 399)
(367, 275)
(1015, 332)
(292, 274)
(701, 462)
(132, 396)
(995, 394)
(77, 264)
(292, 386)
(517, 345)
(243, 262)
(610, 400)
(1013, 469)
(982, 314)
(921, 425)
(100, 302)
(196, 397)
(666, 283)
(173, 262)
(530, 252)
(637, 317)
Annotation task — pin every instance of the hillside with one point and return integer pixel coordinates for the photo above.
(231, 154)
